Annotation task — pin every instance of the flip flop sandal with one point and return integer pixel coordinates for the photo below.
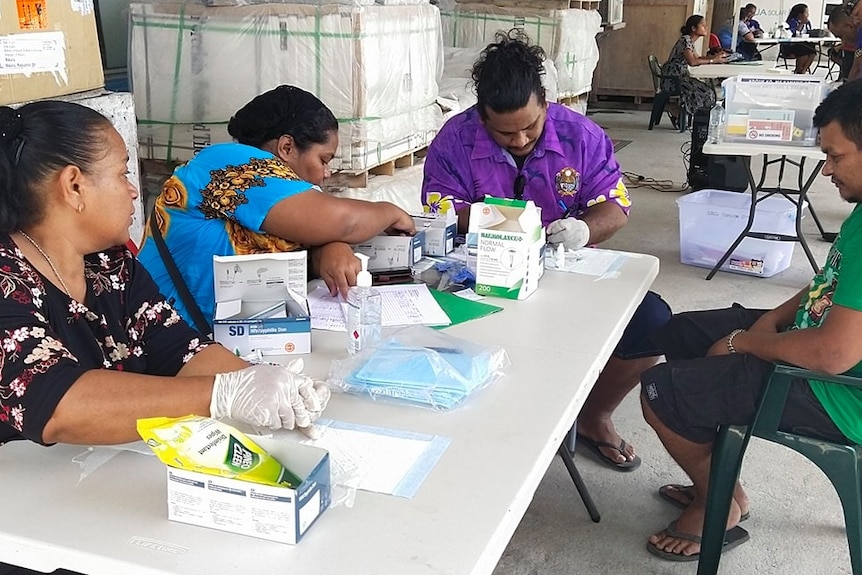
(684, 493)
(733, 537)
(594, 446)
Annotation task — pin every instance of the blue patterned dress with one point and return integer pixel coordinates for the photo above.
(215, 204)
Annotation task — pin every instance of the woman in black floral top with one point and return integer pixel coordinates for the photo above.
(87, 343)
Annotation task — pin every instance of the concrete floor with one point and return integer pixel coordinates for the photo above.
(796, 520)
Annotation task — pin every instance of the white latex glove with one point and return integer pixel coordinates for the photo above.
(315, 393)
(266, 395)
(571, 232)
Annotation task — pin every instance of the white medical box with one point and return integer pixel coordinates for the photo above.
(260, 303)
(710, 220)
(387, 253)
(278, 514)
(440, 230)
(510, 247)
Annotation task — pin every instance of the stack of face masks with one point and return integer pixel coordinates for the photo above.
(422, 366)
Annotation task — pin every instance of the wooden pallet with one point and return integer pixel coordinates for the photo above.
(351, 179)
(573, 100)
(622, 101)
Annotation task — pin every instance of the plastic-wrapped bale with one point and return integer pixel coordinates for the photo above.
(567, 36)
(361, 143)
(196, 65)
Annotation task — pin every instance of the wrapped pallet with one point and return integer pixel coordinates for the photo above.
(376, 67)
(568, 36)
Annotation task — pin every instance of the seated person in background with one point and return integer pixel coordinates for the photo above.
(261, 195)
(841, 26)
(744, 36)
(89, 345)
(693, 93)
(715, 46)
(855, 11)
(513, 143)
(804, 52)
(753, 24)
(719, 361)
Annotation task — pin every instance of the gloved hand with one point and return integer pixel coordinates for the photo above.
(315, 394)
(571, 232)
(270, 396)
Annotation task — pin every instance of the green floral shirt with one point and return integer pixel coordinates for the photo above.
(842, 403)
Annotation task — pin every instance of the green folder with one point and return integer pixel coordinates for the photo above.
(460, 309)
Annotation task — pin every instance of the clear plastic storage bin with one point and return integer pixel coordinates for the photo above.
(773, 109)
(710, 220)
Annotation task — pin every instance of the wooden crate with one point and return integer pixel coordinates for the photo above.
(652, 27)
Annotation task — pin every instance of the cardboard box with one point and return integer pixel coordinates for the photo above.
(278, 514)
(260, 303)
(510, 245)
(392, 252)
(440, 231)
(48, 49)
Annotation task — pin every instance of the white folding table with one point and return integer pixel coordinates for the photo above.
(459, 523)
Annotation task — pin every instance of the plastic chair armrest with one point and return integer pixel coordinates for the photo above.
(794, 371)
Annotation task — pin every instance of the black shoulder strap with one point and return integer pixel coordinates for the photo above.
(201, 324)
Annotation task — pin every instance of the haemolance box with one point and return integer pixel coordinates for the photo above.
(260, 303)
(279, 514)
(509, 247)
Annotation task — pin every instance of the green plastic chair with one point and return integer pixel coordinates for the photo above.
(841, 463)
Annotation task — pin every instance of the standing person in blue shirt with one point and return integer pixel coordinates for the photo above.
(753, 24)
(513, 143)
(745, 36)
(259, 195)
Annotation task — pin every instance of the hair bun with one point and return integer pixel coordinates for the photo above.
(10, 124)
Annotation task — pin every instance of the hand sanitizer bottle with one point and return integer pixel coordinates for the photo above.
(364, 311)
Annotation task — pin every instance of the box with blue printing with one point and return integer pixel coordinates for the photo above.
(280, 514)
(260, 305)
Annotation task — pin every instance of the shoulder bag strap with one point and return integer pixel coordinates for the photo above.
(201, 323)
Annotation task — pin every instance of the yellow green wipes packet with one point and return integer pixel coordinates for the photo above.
(210, 446)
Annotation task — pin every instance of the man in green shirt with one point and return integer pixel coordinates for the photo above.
(719, 361)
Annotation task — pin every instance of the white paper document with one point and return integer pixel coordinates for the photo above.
(404, 304)
(387, 461)
(588, 261)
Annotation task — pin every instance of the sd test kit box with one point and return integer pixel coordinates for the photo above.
(509, 246)
(260, 303)
(278, 514)
(440, 230)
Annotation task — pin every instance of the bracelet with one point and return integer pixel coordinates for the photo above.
(730, 337)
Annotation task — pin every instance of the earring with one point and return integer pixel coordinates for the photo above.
(80, 208)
